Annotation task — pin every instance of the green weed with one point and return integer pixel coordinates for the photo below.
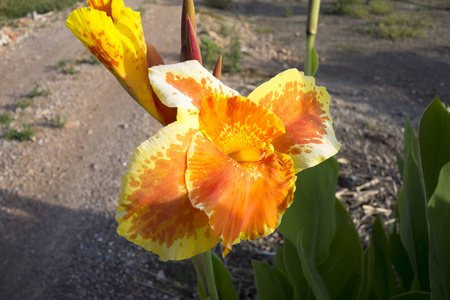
(264, 30)
(211, 14)
(288, 11)
(342, 7)
(23, 135)
(5, 119)
(210, 52)
(224, 30)
(398, 26)
(25, 102)
(19, 8)
(350, 48)
(71, 70)
(58, 121)
(61, 64)
(234, 56)
(359, 11)
(380, 8)
(36, 92)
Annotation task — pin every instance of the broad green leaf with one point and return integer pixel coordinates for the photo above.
(279, 259)
(434, 140)
(439, 214)
(400, 162)
(416, 295)
(294, 270)
(271, 283)
(311, 273)
(222, 277)
(365, 284)
(411, 207)
(381, 283)
(313, 212)
(400, 260)
(342, 271)
(410, 141)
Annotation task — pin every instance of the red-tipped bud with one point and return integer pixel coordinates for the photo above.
(153, 57)
(187, 11)
(193, 48)
(218, 68)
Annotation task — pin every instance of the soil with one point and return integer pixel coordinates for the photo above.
(59, 191)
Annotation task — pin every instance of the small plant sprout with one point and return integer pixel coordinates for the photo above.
(25, 102)
(5, 119)
(20, 135)
(59, 121)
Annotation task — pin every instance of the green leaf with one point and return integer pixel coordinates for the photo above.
(271, 283)
(381, 280)
(434, 140)
(400, 163)
(400, 260)
(279, 259)
(416, 295)
(410, 141)
(313, 212)
(439, 214)
(294, 270)
(365, 285)
(311, 273)
(342, 272)
(411, 206)
(222, 277)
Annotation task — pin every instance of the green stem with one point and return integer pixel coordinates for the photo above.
(309, 55)
(311, 31)
(205, 271)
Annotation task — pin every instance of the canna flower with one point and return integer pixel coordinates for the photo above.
(225, 170)
(113, 34)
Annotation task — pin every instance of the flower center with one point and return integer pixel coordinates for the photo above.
(248, 154)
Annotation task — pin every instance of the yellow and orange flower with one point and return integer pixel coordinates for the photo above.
(113, 34)
(225, 170)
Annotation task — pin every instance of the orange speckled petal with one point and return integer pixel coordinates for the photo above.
(304, 109)
(242, 200)
(119, 46)
(236, 123)
(102, 5)
(154, 210)
(185, 84)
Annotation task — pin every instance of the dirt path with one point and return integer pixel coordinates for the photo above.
(67, 181)
(58, 193)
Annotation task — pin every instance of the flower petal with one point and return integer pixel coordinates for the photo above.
(236, 123)
(185, 84)
(304, 109)
(119, 46)
(154, 210)
(242, 200)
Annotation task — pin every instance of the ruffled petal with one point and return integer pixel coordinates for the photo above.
(242, 200)
(185, 84)
(154, 210)
(102, 5)
(236, 123)
(304, 109)
(118, 45)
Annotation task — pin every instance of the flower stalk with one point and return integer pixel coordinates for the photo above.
(311, 62)
(205, 271)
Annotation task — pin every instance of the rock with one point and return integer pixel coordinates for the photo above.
(160, 276)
